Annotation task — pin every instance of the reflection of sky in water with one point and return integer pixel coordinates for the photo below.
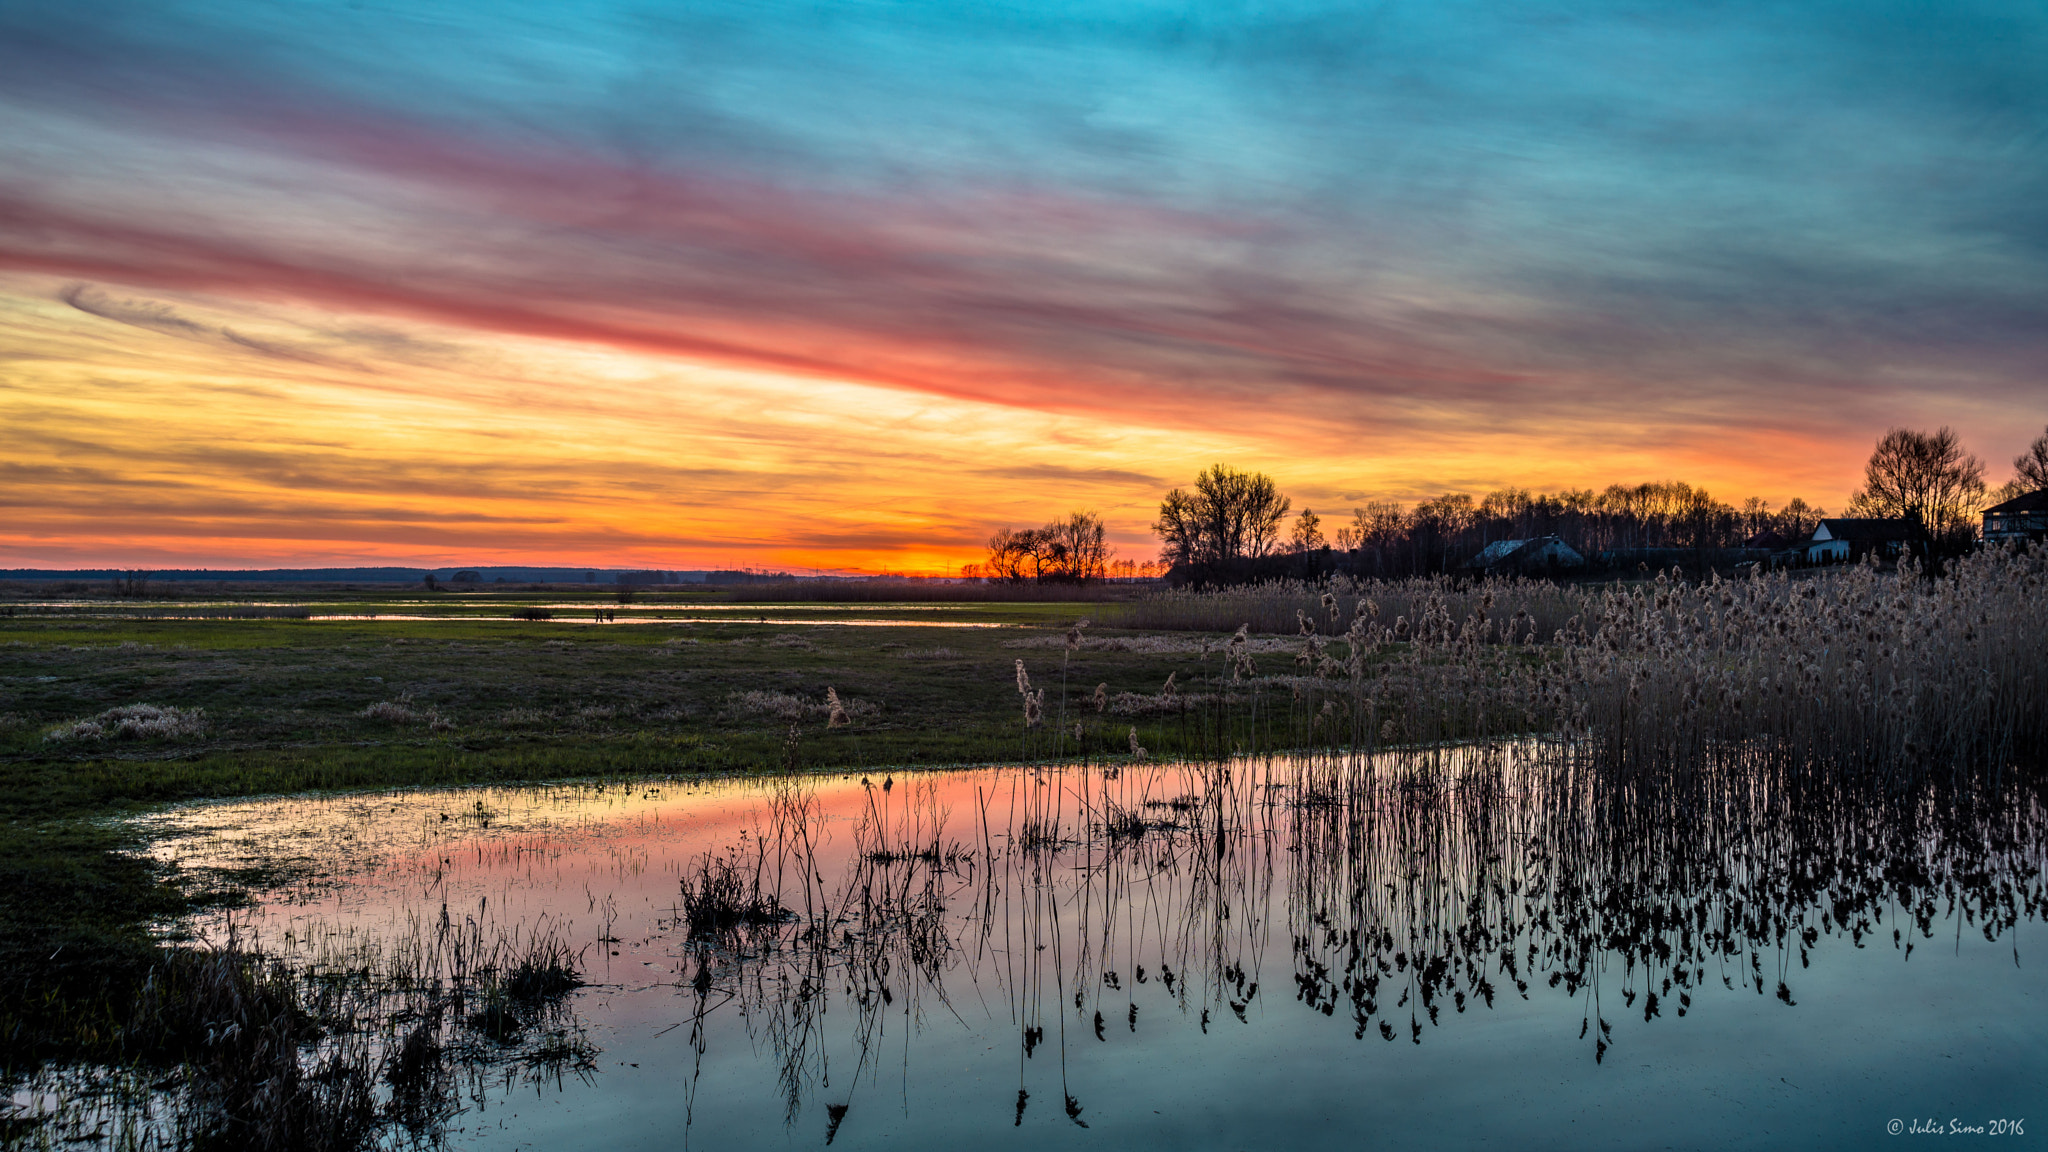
(1953, 1030)
(566, 618)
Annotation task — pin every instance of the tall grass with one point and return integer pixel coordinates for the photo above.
(1276, 607)
(1887, 673)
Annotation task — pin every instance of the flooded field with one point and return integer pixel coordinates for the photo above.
(1477, 947)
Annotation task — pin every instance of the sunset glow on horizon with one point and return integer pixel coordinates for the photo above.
(849, 287)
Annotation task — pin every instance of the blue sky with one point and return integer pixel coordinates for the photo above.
(1576, 240)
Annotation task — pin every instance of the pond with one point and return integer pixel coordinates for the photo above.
(1458, 947)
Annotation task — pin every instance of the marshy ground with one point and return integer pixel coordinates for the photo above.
(263, 705)
(1852, 690)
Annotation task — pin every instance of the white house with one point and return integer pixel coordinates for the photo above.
(1843, 539)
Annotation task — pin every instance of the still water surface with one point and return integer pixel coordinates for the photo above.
(1469, 953)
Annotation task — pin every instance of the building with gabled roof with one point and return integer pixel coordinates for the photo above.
(1541, 554)
(1853, 538)
(2024, 517)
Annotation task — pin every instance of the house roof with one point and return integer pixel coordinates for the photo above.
(1540, 548)
(1866, 530)
(2035, 501)
(1496, 552)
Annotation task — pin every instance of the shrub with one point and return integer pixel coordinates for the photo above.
(134, 722)
(783, 706)
(401, 711)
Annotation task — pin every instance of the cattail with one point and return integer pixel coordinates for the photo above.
(1330, 605)
(1137, 750)
(1101, 697)
(836, 712)
(1169, 690)
(1034, 708)
(1077, 731)
(1074, 635)
(1023, 680)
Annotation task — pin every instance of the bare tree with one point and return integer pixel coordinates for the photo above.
(1231, 515)
(1071, 550)
(1797, 519)
(1308, 533)
(1437, 527)
(1376, 525)
(1077, 547)
(1926, 477)
(1011, 554)
(2030, 468)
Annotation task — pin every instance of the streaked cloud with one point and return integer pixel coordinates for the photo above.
(851, 285)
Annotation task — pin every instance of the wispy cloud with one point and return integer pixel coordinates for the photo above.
(1392, 249)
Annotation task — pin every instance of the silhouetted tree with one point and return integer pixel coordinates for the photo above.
(1797, 519)
(1070, 550)
(1926, 477)
(1437, 529)
(1011, 554)
(2030, 468)
(1308, 533)
(1230, 516)
(1077, 548)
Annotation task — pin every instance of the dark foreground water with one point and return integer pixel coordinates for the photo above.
(1473, 949)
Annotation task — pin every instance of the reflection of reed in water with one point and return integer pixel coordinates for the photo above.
(1430, 885)
(1455, 887)
(335, 1041)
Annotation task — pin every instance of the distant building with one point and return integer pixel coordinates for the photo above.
(1542, 554)
(2024, 517)
(1839, 540)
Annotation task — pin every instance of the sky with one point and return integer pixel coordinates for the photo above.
(847, 286)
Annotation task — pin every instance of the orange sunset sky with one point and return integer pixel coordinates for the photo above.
(566, 285)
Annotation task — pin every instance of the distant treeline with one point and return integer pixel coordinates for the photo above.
(1232, 526)
(478, 575)
(1382, 539)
